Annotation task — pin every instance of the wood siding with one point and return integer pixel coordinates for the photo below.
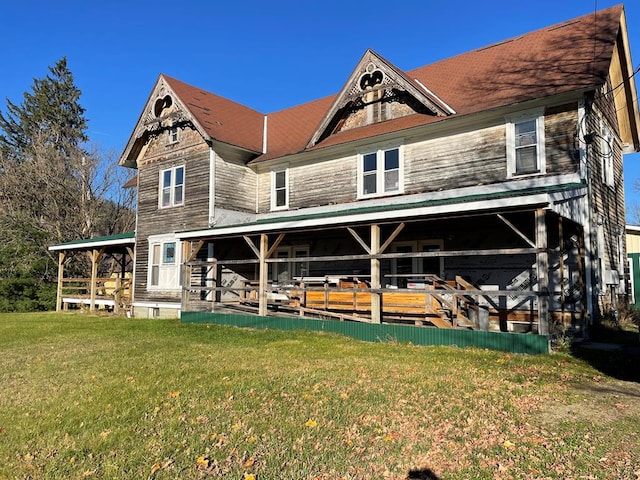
(313, 184)
(193, 153)
(471, 158)
(476, 158)
(608, 211)
(561, 148)
(235, 185)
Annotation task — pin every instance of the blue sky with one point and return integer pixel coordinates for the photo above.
(268, 55)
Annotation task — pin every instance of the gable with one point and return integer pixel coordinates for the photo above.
(622, 79)
(377, 91)
(173, 103)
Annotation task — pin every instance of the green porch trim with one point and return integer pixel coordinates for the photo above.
(118, 238)
(508, 342)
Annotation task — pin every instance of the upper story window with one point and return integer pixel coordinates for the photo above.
(173, 135)
(172, 187)
(606, 152)
(280, 189)
(380, 172)
(525, 144)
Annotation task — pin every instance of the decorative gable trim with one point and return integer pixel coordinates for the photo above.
(373, 79)
(162, 111)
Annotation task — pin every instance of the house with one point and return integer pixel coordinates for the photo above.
(484, 191)
(633, 258)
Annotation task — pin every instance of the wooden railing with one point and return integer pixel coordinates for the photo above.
(445, 304)
(117, 292)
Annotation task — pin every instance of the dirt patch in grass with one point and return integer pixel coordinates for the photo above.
(599, 403)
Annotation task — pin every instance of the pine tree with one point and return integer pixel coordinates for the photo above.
(51, 112)
(54, 187)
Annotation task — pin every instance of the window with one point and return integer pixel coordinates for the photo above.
(279, 189)
(172, 135)
(525, 144)
(380, 172)
(606, 152)
(411, 272)
(172, 187)
(284, 272)
(163, 263)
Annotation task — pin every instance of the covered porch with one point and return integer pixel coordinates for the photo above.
(96, 273)
(511, 268)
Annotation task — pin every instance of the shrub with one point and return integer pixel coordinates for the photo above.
(22, 294)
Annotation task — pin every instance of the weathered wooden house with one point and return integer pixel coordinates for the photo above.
(483, 191)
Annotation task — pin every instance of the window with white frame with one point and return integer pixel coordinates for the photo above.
(606, 152)
(164, 263)
(525, 144)
(280, 189)
(380, 172)
(172, 187)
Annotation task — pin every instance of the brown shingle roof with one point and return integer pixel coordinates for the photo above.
(289, 130)
(550, 61)
(224, 120)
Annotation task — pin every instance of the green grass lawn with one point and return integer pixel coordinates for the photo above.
(103, 397)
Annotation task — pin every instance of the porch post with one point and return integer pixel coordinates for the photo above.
(263, 275)
(185, 275)
(94, 279)
(131, 252)
(376, 297)
(61, 257)
(117, 295)
(543, 272)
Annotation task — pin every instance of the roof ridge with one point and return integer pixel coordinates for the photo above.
(520, 36)
(208, 92)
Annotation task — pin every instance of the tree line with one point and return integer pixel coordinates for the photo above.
(55, 186)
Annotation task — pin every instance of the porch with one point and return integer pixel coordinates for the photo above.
(509, 270)
(110, 285)
(109, 293)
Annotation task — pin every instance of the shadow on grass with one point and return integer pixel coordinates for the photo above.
(422, 474)
(608, 332)
(613, 351)
(622, 364)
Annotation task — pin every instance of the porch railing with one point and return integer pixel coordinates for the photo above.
(445, 304)
(109, 292)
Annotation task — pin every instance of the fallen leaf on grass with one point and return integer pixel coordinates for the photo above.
(508, 444)
(311, 423)
(202, 461)
(174, 393)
